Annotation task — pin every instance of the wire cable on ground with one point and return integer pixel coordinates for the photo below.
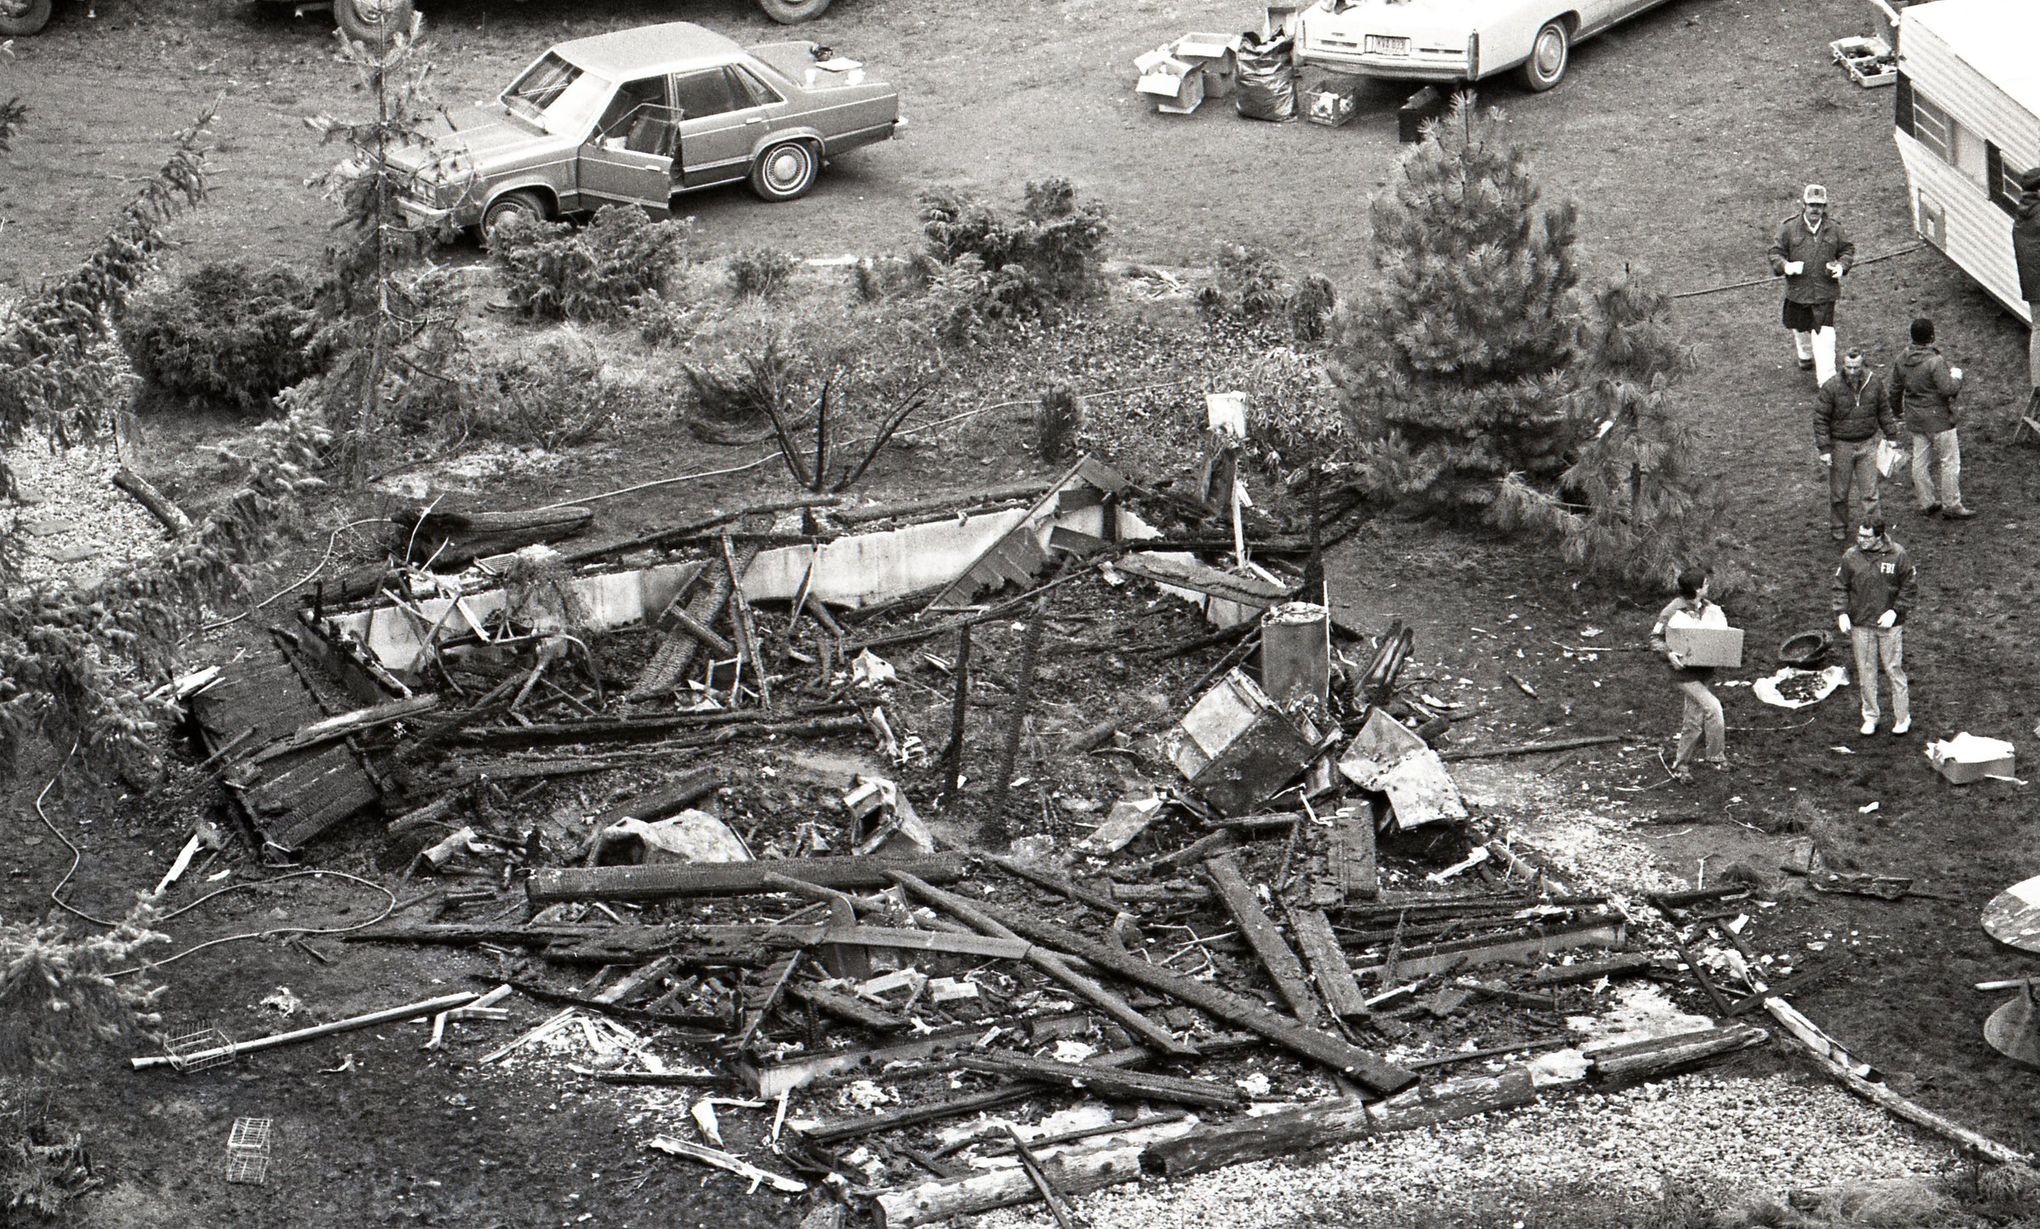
(331, 541)
(78, 857)
(1779, 277)
(770, 457)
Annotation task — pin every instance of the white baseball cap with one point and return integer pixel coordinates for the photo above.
(1814, 195)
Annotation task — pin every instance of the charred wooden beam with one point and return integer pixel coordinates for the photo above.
(671, 882)
(1658, 1056)
(1106, 1082)
(1327, 961)
(1317, 1046)
(1052, 964)
(640, 729)
(1281, 964)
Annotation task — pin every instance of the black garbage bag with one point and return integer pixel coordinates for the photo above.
(1267, 80)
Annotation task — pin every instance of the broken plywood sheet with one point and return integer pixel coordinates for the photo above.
(398, 634)
(1236, 748)
(1176, 571)
(1387, 758)
(292, 797)
(1019, 554)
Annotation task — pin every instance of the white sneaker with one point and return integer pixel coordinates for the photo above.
(1902, 726)
(1869, 727)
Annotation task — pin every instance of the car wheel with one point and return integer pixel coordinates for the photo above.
(786, 171)
(520, 204)
(371, 21)
(1548, 56)
(17, 17)
(793, 12)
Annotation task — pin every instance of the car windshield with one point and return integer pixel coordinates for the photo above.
(558, 96)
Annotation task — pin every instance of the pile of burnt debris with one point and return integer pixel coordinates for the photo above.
(678, 793)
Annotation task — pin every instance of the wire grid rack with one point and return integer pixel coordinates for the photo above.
(248, 1151)
(196, 1051)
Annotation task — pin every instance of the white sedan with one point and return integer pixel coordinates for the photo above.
(1454, 40)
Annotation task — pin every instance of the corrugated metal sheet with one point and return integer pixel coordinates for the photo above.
(1979, 234)
(1988, 80)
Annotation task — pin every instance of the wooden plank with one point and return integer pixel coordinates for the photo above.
(1072, 1173)
(1354, 870)
(849, 1007)
(1054, 965)
(1341, 1120)
(672, 881)
(1320, 1047)
(1244, 590)
(1531, 943)
(901, 939)
(1106, 1082)
(1267, 943)
(1328, 966)
(1657, 1056)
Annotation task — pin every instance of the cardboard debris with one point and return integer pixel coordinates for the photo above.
(1387, 758)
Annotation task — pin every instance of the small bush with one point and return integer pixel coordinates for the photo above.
(226, 334)
(554, 397)
(734, 400)
(1251, 286)
(1049, 253)
(761, 273)
(1058, 420)
(553, 271)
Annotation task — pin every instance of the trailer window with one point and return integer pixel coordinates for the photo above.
(1932, 127)
(2004, 179)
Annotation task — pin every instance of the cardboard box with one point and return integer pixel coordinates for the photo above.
(1706, 646)
(1967, 770)
(1214, 53)
(1176, 86)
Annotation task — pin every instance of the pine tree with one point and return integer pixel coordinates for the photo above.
(78, 666)
(393, 336)
(1453, 370)
(1632, 507)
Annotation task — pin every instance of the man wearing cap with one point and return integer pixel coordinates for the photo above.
(1812, 254)
(1874, 586)
(2026, 253)
(1851, 416)
(1923, 389)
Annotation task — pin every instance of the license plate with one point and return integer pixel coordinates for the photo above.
(1382, 44)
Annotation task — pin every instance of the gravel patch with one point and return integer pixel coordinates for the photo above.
(1718, 1137)
(75, 525)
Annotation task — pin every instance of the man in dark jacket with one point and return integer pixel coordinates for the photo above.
(1811, 253)
(1923, 388)
(1874, 588)
(1851, 416)
(2026, 253)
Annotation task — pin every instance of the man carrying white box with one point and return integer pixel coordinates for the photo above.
(1701, 719)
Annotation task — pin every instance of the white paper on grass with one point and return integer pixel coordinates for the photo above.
(1766, 689)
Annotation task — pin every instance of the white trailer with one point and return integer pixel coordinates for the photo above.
(1967, 120)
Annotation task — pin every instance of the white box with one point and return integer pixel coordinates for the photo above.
(1706, 646)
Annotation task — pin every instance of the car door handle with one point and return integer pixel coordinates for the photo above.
(756, 119)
